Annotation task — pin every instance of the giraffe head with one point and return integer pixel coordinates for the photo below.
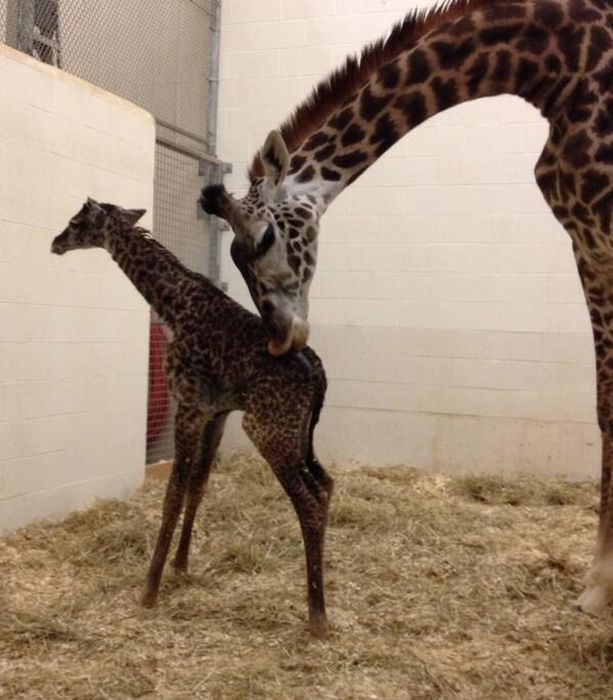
(275, 230)
(89, 226)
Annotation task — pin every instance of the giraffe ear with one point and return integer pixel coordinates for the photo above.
(131, 216)
(275, 158)
(91, 204)
(91, 207)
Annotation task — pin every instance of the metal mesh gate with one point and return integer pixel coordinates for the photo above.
(161, 55)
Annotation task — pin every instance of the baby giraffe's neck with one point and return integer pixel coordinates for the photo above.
(155, 272)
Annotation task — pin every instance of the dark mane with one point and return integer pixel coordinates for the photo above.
(346, 80)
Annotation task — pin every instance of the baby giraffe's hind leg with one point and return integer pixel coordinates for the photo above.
(189, 424)
(198, 478)
(308, 487)
(310, 500)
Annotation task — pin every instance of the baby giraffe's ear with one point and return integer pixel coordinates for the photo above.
(131, 216)
(275, 159)
(92, 206)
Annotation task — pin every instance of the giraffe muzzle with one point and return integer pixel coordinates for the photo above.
(295, 339)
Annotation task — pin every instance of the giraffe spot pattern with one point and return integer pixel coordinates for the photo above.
(445, 92)
(330, 174)
(414, 107)
(549, 14)
(350, 160)
(354, 134)
(389, 75)
(372, 105)
(451, 55)
(419, 67)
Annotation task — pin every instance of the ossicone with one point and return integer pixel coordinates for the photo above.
(214, 199)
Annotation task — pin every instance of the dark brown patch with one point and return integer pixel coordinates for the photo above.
(524, 77)
(451, 55)
(296, 163)
(576, 150)
(385, 134)
(603, 209)
(317, 140)
(604, 78)
(552, 64)
(570, 40)
(604, 154)
(445, 92)
(354, 134)
(419, 67)
(306, 175)
(372, 105)
(549, 14)
(325, 153)
(477, 72)
(581, 12)
(581, 105)
(600, 42)
(302, 213)
(497, 13)
(593, 183)
(414, 107)
(603, 124)
(582, 214)
(389, 75)
(549, 103)
(330, 175)
(294, 262)
(502, 72)
(500, 34)
(534, 40)
(348, 161)
(341, 120)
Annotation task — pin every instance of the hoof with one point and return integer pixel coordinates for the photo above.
(149, 599)
(593, 600)
(318, 627)
(180, 566)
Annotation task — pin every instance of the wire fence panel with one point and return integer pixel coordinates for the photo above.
(157, 54)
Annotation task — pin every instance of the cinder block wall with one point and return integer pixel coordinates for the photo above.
(74, 332)
(446, 304)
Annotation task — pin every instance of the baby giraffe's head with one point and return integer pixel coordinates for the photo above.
(89, 227)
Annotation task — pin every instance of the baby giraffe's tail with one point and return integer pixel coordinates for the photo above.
(315, 468)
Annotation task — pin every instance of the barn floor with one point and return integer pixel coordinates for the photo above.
(437, 588)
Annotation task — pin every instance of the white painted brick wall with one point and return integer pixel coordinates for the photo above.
(446, 304)
(74, 342)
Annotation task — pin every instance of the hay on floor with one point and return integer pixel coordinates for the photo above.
(436, 587)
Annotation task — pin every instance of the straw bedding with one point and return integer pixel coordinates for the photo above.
(436, 588)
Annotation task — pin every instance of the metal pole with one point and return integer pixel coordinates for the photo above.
(214, 77)
(216, 172)
(25, 29)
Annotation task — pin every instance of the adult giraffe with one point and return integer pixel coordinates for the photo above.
(557, 54)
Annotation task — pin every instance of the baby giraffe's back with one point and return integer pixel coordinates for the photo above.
(221, 347)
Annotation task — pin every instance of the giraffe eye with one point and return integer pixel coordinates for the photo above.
(267, 241)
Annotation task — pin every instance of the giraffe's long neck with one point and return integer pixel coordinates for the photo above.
(508, 48)
(155, 272)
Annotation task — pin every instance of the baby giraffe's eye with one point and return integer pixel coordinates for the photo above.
(267, 241)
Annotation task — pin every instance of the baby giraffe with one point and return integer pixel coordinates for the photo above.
(216, 363)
